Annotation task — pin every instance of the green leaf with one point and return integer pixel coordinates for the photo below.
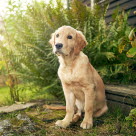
(131, 52)
(133, 43)
(128, 118)
(132, 34)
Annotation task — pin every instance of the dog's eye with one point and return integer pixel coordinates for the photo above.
(69, 37)
(57, 35)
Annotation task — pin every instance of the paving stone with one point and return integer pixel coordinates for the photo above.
(16, 107)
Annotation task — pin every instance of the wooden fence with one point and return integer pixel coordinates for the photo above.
(126, 5)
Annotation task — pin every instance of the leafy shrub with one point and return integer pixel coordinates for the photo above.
(132, 38)
(105, 50)
(132, 118)
(29, 32)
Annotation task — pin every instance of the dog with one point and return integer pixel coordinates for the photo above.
(82, 85)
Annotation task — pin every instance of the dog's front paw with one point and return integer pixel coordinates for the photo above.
(62, 123)
(86, 125)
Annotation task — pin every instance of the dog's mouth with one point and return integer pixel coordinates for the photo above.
(59, 52)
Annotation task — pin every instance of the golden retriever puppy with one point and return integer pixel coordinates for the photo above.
(82, 85)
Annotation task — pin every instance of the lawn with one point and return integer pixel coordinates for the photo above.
(27, 94)
(40, 121)
(43, 120)
(4, 96)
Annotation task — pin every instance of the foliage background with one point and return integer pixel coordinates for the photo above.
(29, 56)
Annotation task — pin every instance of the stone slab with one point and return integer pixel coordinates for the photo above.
(124, 108)
(123, 97)
(122, 90)
(129, 100)
(16, 107)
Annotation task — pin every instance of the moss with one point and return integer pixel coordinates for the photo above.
(111, 123)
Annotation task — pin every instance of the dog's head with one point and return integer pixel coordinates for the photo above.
(67, 40)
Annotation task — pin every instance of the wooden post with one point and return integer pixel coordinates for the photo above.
(68, 4)
(92, 4)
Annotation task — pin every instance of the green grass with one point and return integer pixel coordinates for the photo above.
(26, 94)
(110, 124)
(4, 96)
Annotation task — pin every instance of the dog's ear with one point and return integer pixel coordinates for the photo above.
(52, 40)
(80, 42)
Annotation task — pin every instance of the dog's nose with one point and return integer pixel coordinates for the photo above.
(59, 45)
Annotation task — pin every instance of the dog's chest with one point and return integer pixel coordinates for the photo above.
(69, 75)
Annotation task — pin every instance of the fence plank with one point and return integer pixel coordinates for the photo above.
(126, 5)
(119, 2)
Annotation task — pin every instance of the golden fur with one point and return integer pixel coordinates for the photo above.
(81, 83)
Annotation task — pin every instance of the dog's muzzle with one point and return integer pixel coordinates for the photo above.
(59, 46)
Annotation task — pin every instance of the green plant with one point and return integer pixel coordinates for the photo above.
(132, 38)
(105, 52)
(8, 67)
(132, 118)
(29, 32)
